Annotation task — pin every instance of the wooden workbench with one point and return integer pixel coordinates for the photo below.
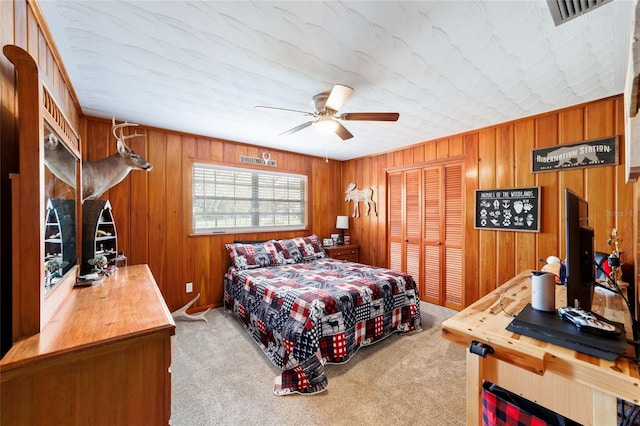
(581, 387)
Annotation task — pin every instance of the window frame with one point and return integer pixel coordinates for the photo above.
(255, 172)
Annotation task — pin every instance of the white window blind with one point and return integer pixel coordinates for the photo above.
(232, 199)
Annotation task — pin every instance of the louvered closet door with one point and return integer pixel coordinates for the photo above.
(453, 236)
(395, 184)
(442, 237)
(404, 194)
(432, 291)
(413, 231)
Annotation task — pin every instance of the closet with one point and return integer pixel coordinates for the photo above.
(425, 233)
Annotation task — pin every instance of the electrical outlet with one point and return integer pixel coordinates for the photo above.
(189, 288)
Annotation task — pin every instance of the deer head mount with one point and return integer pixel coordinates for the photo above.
(358, 195)
(97, 176)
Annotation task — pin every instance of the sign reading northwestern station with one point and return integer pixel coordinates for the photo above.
(599, 152)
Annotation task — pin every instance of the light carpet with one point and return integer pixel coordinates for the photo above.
(221, 377)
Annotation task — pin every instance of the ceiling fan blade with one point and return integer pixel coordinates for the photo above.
(338, 96)
(297, 128)
(370, 116)
(286, 109)
(343, 132)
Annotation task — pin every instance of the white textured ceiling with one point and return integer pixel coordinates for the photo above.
(446, 66)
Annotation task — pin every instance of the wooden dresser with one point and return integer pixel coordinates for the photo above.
(103, 359)
(348, 253)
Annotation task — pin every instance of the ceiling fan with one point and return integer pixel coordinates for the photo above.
(325, 111)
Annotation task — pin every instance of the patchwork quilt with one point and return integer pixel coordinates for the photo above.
(317, 311)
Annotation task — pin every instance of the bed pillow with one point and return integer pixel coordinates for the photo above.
(292, 251)
(310, 247)
(258, 255)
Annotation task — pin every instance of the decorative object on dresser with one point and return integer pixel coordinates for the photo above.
(99, 236)
(327, 242)
(358, 195)
(60, 239)
(342, 223)
(346, 252)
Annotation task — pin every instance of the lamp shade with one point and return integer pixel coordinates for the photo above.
(342, 222)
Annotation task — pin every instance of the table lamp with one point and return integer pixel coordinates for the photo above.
(342, 223)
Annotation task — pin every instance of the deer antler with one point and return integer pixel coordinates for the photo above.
(121, 137)
(98, 176)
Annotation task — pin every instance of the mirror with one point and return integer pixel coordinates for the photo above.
(60, 182)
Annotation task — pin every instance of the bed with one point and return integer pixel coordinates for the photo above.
(306, 310)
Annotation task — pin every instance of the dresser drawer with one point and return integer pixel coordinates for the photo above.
(349, 253)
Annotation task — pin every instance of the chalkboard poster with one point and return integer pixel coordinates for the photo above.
(513, 209)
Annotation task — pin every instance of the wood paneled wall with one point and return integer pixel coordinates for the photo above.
(500, 157)
(152, 209)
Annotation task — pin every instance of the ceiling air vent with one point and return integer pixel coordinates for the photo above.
(565, 10)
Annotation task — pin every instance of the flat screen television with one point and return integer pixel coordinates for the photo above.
(580, 267)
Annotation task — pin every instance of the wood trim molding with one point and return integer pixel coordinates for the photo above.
(453, 159)
(60, 123)
(631, 104)
(28, 269)
(32, 309)
(46, 33)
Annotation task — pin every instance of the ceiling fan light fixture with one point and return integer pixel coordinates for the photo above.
(325, 111)
(326, 126)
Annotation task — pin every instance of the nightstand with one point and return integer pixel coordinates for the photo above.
(347, 253)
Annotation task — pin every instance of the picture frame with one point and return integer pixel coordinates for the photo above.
(591, 153)
(508, 209)
(327, 242)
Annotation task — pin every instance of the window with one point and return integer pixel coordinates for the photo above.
(233, 199)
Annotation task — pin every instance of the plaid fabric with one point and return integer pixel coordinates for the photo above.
(503, 408)
(310, 247)
(258, 255)
(498, 412)
(306, 315)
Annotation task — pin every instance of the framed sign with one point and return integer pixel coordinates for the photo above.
(512, 209)
(265, 160)
(599, 152)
